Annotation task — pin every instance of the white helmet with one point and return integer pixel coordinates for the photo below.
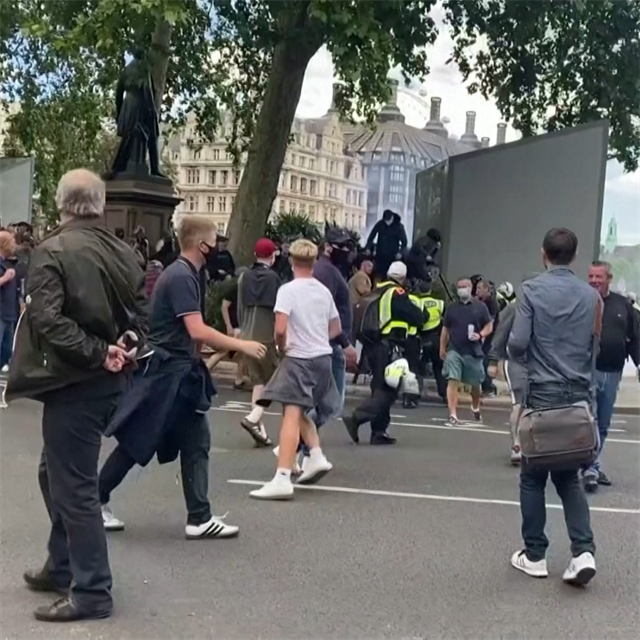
(506, 289)
(395, 372)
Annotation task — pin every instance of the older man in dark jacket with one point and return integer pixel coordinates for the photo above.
(84, 291)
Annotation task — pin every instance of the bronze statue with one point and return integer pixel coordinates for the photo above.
(137, 118)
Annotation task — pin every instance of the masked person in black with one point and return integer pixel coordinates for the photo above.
(221, 264)
(391, 242)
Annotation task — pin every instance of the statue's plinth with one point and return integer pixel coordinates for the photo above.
(134, 199)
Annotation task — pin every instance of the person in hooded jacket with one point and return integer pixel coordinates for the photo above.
(390, 241)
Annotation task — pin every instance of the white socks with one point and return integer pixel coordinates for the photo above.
(283, 476)
(316, 454)
(255, 415)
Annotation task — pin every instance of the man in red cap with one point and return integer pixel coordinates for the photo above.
(257, 290)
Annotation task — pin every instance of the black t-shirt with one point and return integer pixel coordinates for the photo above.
(175, 295)
(230, 294)
(457, 319)
(9, 294)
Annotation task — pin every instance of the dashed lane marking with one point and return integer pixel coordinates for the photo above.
(427, 496)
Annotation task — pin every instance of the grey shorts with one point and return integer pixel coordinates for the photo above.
(304, 383)
(463, 368)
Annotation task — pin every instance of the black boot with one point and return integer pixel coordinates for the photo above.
(382, 438)
(41, 581)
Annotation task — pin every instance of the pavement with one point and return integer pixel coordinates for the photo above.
(628, 400)
(406, 542)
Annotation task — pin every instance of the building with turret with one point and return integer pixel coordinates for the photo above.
(393, 152)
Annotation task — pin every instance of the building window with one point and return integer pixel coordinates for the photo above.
(312, 187)
(303, 185)
(303, 161)
(303, 209)
(197, 154)
(211, 203)
(397, 157)
(232, 202)
(216, 154)
(222, 204)
(292, 207)
(224, 178)
(293, 159)
(192, 203)
(236, 177)
(332, 190)
(348, 196)
(395, 198)
(212, 177)
(294, 183)
(193, 176)
(312, 164)
(281, 206)
(312, 212)
(360, 198)
(396, 188)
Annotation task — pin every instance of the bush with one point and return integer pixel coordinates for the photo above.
(287, 227)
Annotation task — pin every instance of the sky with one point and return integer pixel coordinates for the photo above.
(622, 191)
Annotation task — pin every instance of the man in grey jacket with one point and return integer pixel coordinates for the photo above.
(515, 371)
(515, 374)
(557, 328)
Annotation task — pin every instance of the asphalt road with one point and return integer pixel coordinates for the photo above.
(411, 541)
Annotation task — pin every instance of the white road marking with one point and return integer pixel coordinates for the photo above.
(414, 425)
(427, 496)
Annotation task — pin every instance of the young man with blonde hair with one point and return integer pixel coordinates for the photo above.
(306, 320)
(165, 412)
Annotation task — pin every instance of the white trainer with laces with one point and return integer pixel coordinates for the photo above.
(111, 523)
(581, 570)
(213, 528)
(537, 569)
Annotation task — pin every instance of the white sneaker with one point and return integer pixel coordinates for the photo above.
(314, 470)
(276, 489)
(537, 569)
(5, 369)
(213, 528)
(110, 522)
(297, 470)
(581, 569)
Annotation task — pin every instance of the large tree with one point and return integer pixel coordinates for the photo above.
(548, 64)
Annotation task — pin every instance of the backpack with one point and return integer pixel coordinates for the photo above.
(366, 317)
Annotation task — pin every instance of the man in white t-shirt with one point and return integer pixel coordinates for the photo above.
(306, 319)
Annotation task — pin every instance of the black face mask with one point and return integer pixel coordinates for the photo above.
(211, 255)
(339, 256)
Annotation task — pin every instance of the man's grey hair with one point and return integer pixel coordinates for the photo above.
(602, 263)
(80, 194)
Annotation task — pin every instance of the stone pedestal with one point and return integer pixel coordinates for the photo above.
(134, 200)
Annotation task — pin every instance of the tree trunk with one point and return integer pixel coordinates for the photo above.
(160, 52)
(259, 185)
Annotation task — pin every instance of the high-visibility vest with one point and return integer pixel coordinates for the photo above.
(435, 309)
(387, 323)
(413, 331)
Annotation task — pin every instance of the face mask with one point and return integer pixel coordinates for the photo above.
(210, 256)
(339, 256)
(388, 222)
(464, 294)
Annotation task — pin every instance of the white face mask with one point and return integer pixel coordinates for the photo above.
(388, 222)
(464, 293)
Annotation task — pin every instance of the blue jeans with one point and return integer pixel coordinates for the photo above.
(7, 329)
(533, 482)
(339, 371)
(607, 383)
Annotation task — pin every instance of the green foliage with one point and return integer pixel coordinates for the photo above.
(552, 64)
(287, 227)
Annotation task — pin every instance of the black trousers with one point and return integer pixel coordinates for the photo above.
(377, 409)
(431, 354)
(73, 421)
(195, 441)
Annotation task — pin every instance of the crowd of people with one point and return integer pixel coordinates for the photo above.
(110, 342)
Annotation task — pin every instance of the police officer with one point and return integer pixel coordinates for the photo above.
(433, 312)
(396, 315)
(412, 350)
